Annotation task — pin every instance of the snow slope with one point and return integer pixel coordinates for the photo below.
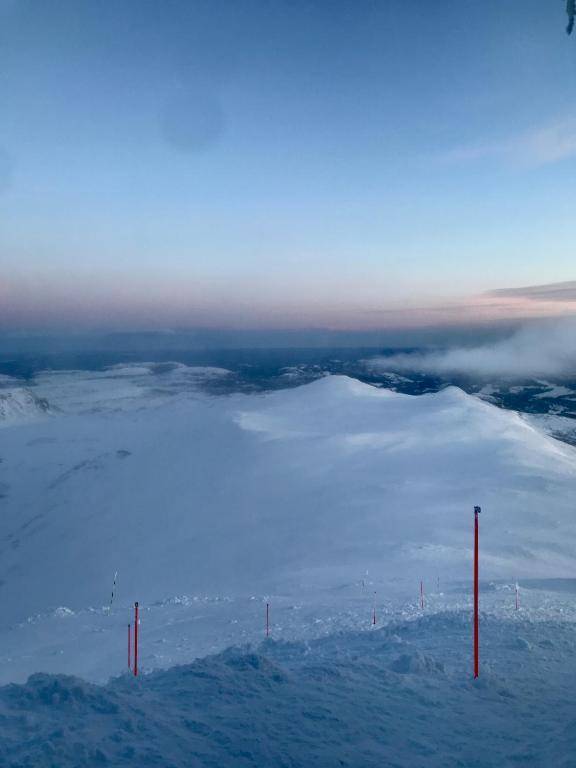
(209, 507)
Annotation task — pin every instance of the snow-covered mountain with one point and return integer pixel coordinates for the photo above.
(189, 495)
(20, 404)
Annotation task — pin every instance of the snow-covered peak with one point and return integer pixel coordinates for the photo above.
(21, 404)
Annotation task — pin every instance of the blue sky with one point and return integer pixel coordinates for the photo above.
(281, 163)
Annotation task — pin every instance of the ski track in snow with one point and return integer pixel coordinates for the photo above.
(311, 499)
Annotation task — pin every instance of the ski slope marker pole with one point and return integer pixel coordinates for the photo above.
(422, 595)
(129, 644)
(517, 595)
(113, 591)
(136, 639)
(374, 611)
(477, 511)
(267, 619)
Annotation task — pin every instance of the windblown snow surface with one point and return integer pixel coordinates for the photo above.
(326, 501)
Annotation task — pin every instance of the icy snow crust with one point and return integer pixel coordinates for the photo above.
(324, 501)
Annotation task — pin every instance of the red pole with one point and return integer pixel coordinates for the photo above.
(374, 611)
(267, 619)
(136, 639)
(422, 595)
(476, 632)
(129, 643)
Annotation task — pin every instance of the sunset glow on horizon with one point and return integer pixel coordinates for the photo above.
(283, 165)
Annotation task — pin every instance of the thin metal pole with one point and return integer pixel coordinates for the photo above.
(476, 627)
(136, 639)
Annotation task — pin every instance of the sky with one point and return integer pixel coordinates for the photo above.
(342, 164)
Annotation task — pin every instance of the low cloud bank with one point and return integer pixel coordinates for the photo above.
(562, 292)
(547, 349)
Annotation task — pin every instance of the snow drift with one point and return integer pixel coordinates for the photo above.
(400, 696)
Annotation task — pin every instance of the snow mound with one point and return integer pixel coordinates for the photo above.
(416, 664)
